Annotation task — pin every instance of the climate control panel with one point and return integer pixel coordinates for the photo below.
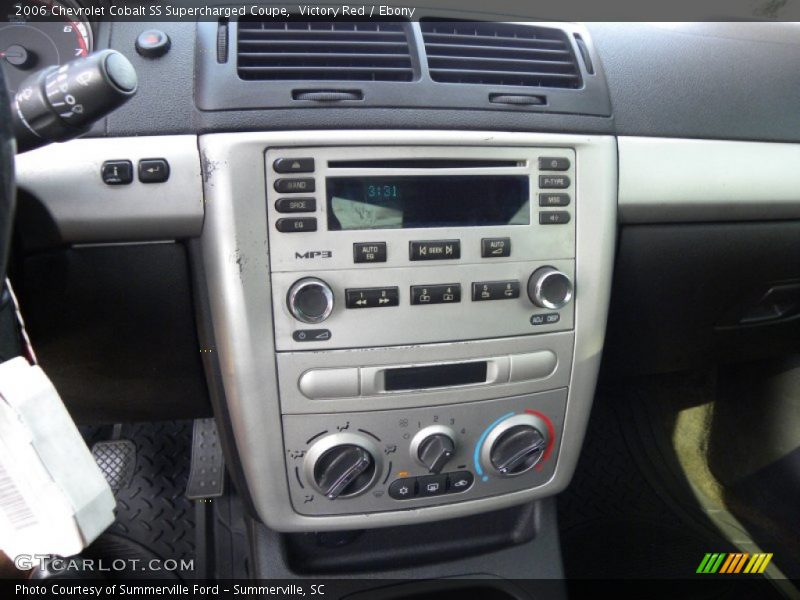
(388, 460)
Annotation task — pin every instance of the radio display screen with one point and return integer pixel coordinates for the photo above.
(410, 202)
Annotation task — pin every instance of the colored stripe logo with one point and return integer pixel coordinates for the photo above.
(730, 563)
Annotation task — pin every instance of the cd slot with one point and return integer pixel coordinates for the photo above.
(428, 163)
(436, 376)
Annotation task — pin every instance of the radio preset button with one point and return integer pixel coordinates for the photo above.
(553, 217)
(372, 297)
(553, 181)
(434, 250)
(295, 205)
(495, 290)
(293, 165)
(436, 294)
(554, 200)
(294, 186)
(495, 247)
(296, 225)
(553, 163)
(369, 252)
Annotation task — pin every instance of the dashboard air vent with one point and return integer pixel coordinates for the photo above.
(500, 54)
(323, 51)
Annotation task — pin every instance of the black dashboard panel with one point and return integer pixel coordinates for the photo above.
(714, 80)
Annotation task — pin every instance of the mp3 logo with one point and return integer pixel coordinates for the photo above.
(314, 254)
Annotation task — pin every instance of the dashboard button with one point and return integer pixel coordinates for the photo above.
(495, 290)
(553, 181)
(434, 250)
(403, 489)
(431, 485)
(117, 172)
(554, 200)
(372, 297)
(460, 481)
(294, 186)
(495, 247)
(311, 335)
(369, 252)
(152, 43)
(296, 225)
(329, 383)
(295, 205)
(293, 165)
(445, 293)
(553, 217)
(553, 163)
(153, 170)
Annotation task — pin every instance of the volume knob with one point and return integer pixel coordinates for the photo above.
(310, 300)
(550, 288)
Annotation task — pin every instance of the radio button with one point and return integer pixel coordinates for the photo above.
(294, 186)
(553, 217)
(295, 205)
(294, 165)
(372, 297)
(548, 200)
(296, 225)
(553, 163)
(495, 247)
(495, 290)
(434, 250)
(552, 181)
(436, 294)
(369, 252)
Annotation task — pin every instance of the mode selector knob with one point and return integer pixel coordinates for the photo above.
(310, 300)
(516, 445)
(342, 465)
(433, 447)
(550, 288)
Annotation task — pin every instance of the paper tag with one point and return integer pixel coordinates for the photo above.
(53, 497)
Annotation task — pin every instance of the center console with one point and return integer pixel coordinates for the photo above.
(409, 324)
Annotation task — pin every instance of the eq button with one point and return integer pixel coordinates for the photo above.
(296, 225)
(369, 252)
(435, 250)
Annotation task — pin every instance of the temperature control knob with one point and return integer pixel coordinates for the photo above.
(433, 447)
(516, 445)
(550, 288)
(342, 465)
(310, 300)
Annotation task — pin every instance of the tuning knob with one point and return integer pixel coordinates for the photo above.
(433, 447)
(516, 445)
(342, 465)
(310, 300)
(550, 288)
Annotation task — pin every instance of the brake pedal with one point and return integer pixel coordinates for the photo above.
(207, 471)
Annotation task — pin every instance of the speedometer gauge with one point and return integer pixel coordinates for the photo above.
(30, 43)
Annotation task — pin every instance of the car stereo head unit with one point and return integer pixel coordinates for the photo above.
(373, 246)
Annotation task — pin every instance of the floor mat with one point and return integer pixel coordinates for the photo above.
(615, 524)
(154, 519)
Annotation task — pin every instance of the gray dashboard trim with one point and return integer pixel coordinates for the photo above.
(66, 180)
(234, 247)
(681, 180)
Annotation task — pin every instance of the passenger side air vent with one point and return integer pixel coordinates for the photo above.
(323, 51)
(500, 54)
